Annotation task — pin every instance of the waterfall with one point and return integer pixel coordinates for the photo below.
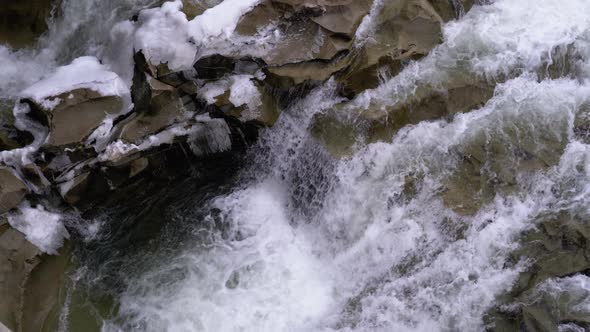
(415, 231)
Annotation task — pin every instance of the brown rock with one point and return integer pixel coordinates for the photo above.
(75, 189)
(298, 73)
(305, 36)
(214, 67)
(3, 328)
(404, 30)
(85, 108)
(383, 124)
(42, 289)
(137, 166)
(30, 283)
(18, 258)
(163, 106)
(12, 190)
(344, 18)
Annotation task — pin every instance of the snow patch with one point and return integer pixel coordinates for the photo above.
(219, 21)
(165, 35)
(42, 228)
(83, 73)
(244, 92)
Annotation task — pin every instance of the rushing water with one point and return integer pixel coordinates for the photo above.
(303, 241)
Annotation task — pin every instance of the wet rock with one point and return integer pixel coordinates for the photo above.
(22, 22)
(160, 107)
(137, 166)
(317, 70)
(366, 70)
(337, 136)
(582, 124)
(545, 296)
(42, 290)
(30, 283)
(90, 187)
(558, 304)
(18, 257)
(381, 124)
(317, 38)
(214, 67)
(404, 30)
(343, 17)
(11, 138)
(6, 142)
(451, 9)
(12, 190)
(491, 164)
(84, 107)
(305, 29)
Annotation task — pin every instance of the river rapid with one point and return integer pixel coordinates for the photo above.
(302, 240)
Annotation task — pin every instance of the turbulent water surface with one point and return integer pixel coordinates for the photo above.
(300, 240)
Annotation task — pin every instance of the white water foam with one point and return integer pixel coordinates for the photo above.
(371, 257)
(42, 228)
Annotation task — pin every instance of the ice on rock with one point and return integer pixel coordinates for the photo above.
(83, 73)
(221, 20)
(162, 36)
(42, 228)
(244, 92)
(165, 35)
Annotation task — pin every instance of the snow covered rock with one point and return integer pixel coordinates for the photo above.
(160, 107)
(76, 100)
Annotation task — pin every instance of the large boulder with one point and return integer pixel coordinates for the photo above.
(76, 100)
(492, 160)
(85, 108)
(313, 35)
(22, 22)
(162, 107)
(318, 39)
(30, 283)
(309, 29)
